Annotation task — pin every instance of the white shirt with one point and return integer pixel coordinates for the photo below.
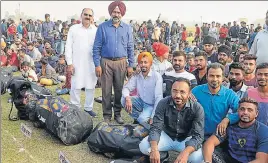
(259, 47)
(161, 67)
(78, 51)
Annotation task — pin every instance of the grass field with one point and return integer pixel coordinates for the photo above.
(42, 147)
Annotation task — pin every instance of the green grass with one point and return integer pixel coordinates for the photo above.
(42, 147)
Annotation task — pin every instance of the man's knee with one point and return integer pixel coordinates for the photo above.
(144, 146)
(196, 157)
(142, 119)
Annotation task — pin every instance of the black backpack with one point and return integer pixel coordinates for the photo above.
(5, 77)
(19, 88)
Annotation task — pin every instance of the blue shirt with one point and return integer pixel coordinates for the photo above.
(216, 106)
(112, 42)
(47, 29)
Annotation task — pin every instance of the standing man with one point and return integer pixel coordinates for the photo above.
(47, 30)
(259, 47)
(79, 58)
(233, 32)
(113, 54)
(243, 33)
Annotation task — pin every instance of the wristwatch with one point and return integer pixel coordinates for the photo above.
(206, 162)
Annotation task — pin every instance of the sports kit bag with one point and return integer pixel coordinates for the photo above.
(117, 141)
(64, 120)
(19, 89)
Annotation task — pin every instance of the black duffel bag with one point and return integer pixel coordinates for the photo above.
(117, 141)
(64, 120)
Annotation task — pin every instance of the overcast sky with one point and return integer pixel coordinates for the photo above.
(221, 11)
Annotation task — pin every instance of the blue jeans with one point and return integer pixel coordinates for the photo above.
(141, 111)
(167, 144)
(62, 46)
(62, 91)
(57, 47)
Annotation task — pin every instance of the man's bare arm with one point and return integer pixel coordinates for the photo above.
(209, 146)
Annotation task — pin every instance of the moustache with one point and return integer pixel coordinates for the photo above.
(87, 19)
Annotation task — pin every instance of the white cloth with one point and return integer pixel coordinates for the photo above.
(184, 74)
(161, 67)
(89, 100)
(260, 46)
(78, 51)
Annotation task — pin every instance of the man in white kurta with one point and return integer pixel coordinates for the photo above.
(78, 52)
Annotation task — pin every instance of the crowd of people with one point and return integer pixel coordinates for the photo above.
(195, 95)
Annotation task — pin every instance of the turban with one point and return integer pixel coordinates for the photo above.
(3, 44)
(209, 40)
(225, 49)
(160, 49)
(145, 54)
(121, 6)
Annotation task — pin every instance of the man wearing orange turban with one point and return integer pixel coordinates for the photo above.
(149, 91)
(113, 47)
(160, 63)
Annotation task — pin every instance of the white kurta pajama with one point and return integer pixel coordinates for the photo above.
(78, 51)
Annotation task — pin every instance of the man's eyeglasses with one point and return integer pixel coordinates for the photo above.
(87, 15)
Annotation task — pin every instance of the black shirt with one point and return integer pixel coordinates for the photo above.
(178, 125)
(201, 81)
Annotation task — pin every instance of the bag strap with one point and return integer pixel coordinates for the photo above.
(9, 116)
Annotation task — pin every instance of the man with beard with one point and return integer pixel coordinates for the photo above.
(33, 52)
(250, 66)
(78, 52)
(216, 101)
(259, 47)
(247, 140)
(236, 77)
(200, 72)
(148, 84)
(113, 47)
(178, 125)
(179, 63)
(224, 53)
(260, 94)
(208, 46)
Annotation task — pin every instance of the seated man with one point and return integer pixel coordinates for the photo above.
(149, 91)
(247, 139)
(236, 78)
(28, 73)
(216, 100)
(179, 63)
(48, 74)
(178, 125)
(260, 94)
